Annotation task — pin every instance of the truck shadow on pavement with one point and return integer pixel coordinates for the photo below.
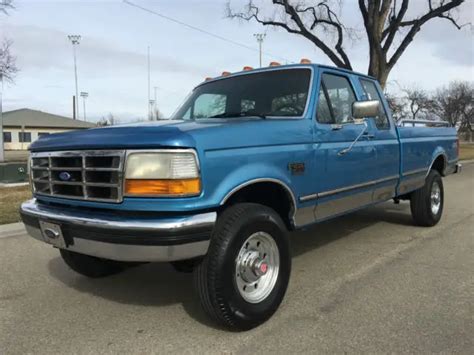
(158, 284)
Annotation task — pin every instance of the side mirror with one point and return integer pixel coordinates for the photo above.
(361, 109)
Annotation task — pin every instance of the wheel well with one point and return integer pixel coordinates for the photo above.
(267, 193)
(439, 164)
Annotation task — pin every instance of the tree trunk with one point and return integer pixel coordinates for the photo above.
(382, 77)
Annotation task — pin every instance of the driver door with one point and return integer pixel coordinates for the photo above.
(343, 182)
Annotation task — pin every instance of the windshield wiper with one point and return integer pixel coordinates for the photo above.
(238, 114)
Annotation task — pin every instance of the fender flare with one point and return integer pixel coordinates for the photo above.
(438, 153)
(288, 190)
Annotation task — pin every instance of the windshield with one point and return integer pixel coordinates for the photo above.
(274, 93)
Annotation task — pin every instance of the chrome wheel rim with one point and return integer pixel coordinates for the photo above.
(256, 267)
(435, 198)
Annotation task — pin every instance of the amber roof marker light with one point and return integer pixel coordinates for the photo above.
(226, 73)
(305, 61)
(247, 68)
(274, 64)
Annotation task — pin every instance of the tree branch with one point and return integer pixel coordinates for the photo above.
(5, 6)
(337, 55)
(439, 11)
(392, 29)
(8, 68)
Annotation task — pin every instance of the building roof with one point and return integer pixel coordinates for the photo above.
(33, 118)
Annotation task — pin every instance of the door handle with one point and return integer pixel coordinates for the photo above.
(368, 135)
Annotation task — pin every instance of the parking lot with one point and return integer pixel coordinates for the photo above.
(369, 282)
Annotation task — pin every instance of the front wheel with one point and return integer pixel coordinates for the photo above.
(243, 279)
(427, 202)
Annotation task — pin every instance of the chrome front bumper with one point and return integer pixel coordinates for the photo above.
(123, 236)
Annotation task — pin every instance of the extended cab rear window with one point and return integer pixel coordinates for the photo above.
(371, 93)
(272, 93)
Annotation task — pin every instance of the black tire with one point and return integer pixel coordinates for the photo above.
(91, 266)
(215, 276)
(420, 201)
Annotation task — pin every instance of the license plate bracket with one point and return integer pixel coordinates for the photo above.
(52, 234)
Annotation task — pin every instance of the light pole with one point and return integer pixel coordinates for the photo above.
(155, 108)
(260, 37)
(151, 104)
(84, 96)
(150, 117)
(75, 39)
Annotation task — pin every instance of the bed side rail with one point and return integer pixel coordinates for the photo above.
(425, 123)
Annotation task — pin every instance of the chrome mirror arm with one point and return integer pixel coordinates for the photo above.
(349, 148)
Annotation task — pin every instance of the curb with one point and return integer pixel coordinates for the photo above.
(12, 230)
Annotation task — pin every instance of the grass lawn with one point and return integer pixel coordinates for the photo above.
(466, 151)
(10, 200)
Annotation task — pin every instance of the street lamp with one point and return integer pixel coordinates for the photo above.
(84, 96)
(260, 37)
(75, 39)
(151, 104)
(155, 103)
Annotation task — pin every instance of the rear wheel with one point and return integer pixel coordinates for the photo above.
(427, 202)
(91, 266)
(244, 277)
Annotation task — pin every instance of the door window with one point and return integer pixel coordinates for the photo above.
(338, 99)
(371, 92)
(323, 112)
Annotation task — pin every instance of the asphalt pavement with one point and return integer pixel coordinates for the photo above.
(370, 282)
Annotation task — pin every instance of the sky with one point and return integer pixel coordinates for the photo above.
(112, 55)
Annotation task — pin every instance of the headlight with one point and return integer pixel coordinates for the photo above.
(162, 174)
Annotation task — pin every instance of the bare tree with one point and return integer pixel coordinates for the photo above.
(455, 103)
(8, 68)
(388, 28)
(108, 120)
(397, 106)
(419, 103)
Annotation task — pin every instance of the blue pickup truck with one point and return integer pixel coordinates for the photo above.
(246, 159)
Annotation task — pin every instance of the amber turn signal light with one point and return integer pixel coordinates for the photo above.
(151, 187)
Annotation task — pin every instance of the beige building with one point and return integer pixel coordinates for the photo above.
(23, 126)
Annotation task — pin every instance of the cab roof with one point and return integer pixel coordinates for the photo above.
(286, 66)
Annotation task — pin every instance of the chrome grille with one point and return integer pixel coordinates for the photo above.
(83, 175)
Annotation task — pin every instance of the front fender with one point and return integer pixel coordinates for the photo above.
(247, 174)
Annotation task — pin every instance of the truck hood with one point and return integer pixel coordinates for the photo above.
(208, 134)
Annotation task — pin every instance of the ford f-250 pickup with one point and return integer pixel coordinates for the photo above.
(247, 158)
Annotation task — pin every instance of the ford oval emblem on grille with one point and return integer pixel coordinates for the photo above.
(64, 176)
